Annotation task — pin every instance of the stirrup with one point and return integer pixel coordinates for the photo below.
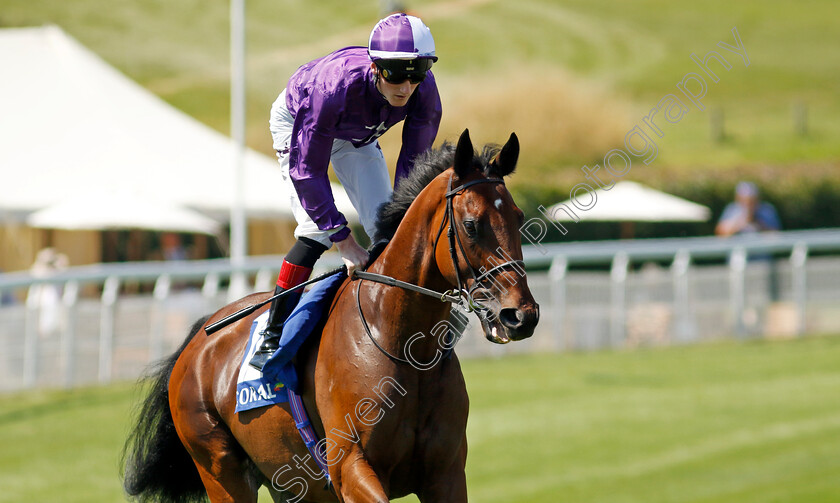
(266, 349)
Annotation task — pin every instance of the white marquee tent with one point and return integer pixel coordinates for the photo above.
(70, 124)
(633, 202)
(121, 210)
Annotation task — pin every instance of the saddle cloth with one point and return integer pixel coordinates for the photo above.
(258, 389)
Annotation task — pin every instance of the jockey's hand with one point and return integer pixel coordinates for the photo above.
(354, 256)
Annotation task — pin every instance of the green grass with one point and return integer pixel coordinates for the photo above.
(63, 445)
(747, 422)
(638, 51)
(729, 422)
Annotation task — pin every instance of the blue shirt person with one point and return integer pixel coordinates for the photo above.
(747, 214)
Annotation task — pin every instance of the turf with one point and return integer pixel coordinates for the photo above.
(730, 421)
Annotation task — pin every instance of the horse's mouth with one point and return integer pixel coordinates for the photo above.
(509, 324)
(494, 331)
(504, 324)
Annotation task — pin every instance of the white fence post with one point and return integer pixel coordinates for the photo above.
(210, 290)
(110, 292)
(798, 262)
(264, 281)
(618, 298)
(683, 320)
(31, 334)
(737, 287)
(160, 294)
(68, 336)
(557, 279)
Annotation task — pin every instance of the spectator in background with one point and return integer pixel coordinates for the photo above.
(171, 247)
(748, 214)
(47, 296)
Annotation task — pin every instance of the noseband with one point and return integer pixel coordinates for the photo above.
(462, 296)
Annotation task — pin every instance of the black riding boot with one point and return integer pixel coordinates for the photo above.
(296, 268)
(278, 312)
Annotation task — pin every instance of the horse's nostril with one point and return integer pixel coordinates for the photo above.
(511, 318)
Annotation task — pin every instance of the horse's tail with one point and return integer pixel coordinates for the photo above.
(157, 466)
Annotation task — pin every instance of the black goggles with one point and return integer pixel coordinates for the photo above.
(397, 71)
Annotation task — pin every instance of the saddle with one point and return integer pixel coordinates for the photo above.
(257, 389)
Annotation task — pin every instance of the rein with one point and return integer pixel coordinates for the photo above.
(388, 280)
(461, 296)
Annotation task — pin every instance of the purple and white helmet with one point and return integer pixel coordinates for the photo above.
(400, 36)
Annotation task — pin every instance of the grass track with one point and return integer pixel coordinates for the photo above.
(746, 422)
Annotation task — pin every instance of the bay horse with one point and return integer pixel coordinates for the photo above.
(381, 390)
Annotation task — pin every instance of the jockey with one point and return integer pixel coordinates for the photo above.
(333, 110)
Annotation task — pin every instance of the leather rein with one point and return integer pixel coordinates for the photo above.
(463, 297)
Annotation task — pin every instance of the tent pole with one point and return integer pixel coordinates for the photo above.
(238, 223)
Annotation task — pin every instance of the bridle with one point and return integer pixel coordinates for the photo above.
(461, 296)
(468, 301)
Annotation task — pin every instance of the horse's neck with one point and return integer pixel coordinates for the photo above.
(410, 257)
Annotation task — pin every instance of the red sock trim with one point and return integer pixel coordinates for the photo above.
(292, 275)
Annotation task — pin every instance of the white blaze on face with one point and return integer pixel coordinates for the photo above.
(498, 204)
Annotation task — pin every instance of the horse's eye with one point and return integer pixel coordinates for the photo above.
(469, 226)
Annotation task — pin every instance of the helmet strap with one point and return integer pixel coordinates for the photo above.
(376, 82)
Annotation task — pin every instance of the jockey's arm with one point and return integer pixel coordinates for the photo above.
(309, 159)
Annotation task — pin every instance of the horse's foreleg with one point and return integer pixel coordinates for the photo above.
(446, 483)
(452, 489)
(359, 483)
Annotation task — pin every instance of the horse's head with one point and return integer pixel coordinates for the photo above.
(479, 246)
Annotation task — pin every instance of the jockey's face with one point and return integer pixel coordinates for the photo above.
(396, 94)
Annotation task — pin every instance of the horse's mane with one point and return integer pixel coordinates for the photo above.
(427, 166)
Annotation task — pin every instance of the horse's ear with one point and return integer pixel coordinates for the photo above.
(464, 154)
(505, 162)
